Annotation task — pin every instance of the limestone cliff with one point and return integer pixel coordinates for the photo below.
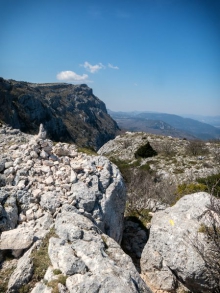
(70, 113)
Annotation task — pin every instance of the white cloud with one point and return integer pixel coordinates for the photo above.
(113, 67)
(71, 76)
(93, 68)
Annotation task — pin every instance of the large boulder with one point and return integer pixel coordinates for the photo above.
(177, 246)
(92, 261)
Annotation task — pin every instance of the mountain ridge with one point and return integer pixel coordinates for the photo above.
(70, 113)
(183, 127)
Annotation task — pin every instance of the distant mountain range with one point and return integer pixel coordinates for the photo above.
(165, 124)
(212, 120)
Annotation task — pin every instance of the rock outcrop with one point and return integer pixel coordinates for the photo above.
(173, 251)
(173, 162)
(70, 113)
(57, 202)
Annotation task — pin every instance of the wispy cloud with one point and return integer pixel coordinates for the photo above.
(112, 67)
(92, 68)
(71, 76)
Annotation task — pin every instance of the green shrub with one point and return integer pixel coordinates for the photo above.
(57, 272)
(212, 184)
(125, 167)
(184, 189)
(4, 278)
(140, 216)
(54, 283)
(87, 150)
(40, 257)
(145, 151)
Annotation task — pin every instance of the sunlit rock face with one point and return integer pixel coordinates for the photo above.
(70, 113)
(178, 249)
(67, 206)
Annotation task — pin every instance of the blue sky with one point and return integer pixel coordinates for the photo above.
(146, 55)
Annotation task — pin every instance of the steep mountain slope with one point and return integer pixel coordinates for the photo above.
(70, 113)
(179, 126)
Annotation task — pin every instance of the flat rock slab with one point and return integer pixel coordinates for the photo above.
(16, 239)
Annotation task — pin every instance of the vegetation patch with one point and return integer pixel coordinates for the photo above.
(41, 262)
(140, 216)
(87, 150)
(212, 184)
(57, 272)
(4, 278)
(145, 151)
(54, 283)
(184, 189)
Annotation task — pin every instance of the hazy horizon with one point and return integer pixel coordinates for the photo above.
(157, 55)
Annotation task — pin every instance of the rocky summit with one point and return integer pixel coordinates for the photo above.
(62, 227)
(70, 113)
(61, 219)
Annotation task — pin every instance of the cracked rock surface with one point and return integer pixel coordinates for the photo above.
(52, 187)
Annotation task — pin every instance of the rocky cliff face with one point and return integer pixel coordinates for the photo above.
(70, 113)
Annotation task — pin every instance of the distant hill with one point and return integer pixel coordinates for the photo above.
(165, 124)
(212, 120)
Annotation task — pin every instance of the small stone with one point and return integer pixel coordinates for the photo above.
(33, 154)
(29, 215)
(22, 218)
(45, 169)
(48, 163)
(36, 192)
(43, 154)
(73, 177)
(49, 180)
(8, 165)
(2, 165)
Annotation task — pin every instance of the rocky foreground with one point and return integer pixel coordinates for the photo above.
(61, 225)
(45, 186)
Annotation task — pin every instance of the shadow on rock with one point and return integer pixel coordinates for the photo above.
(135, 237)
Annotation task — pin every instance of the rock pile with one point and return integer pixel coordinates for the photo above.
(45, 185)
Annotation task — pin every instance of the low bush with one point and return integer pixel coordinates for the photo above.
(212, 184)
(185, 188)
(145, 151)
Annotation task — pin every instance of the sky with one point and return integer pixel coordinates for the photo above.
(143, 55)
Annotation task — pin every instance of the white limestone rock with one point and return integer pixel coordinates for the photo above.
(23, 272)
(16, 239)
(170, 253)
(49, 201)
(40, 287)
